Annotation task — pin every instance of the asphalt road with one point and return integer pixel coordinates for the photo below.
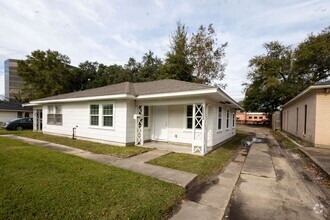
(269, 187)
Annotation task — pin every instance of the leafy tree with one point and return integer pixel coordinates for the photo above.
(283, 72)
(150, 67)
(313, 57)
(206, 57)
(45, 73)
(177, 64)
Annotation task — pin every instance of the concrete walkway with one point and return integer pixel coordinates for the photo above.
(136, 163)
(269, 187)
(212, 203)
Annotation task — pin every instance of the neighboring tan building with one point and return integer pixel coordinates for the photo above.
(252, 118)
(307, 116)
(12, 81)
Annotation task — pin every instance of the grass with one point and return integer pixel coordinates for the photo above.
(283, 141)
(38, 183)
(207, 165)
(122, 152)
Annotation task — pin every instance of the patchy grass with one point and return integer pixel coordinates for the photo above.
(283, 141)
(203, 166)
(5, 131)
(38, 183)
(122, 152)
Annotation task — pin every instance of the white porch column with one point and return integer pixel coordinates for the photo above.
(199, 128)
(139, 125)
(34, 115)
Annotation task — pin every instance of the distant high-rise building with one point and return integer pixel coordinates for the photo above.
(12, 81)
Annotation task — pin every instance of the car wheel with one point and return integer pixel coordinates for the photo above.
(19, 128)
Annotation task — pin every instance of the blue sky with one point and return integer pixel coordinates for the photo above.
(112, 31)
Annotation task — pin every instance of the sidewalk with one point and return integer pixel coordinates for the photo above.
(212, 203)
(319, 156)
(270, 188)
(136, 164)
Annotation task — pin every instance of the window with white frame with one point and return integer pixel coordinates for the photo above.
(234, 118)
(227, 119)
(54, 116)
(108, 115)
(94, 115)
(146, 117)
(219, 118)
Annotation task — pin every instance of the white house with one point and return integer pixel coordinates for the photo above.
(132, 113)
(12, 110)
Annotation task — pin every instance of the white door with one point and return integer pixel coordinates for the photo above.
(160, 123)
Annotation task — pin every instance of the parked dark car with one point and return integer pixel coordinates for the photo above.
(18, 124)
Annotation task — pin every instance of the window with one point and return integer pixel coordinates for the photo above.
(19, 114)
(250, 117)
(227, 122)
(107, 115)
(54, 116)
(287, 120)
(255, 117)
(305, 120)
(26, 115)
(189, 116)
(233, 119)
(260, 117)
(94, 115)
(219, 118)
(198, 116)
(146, 117)
(297, 121)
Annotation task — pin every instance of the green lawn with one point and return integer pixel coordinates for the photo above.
(122, 152)
(38, 183)
(204, 166)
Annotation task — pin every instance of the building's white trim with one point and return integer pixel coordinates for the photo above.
(90, 98)
(174, 94)
(232, 101)
(314, 87)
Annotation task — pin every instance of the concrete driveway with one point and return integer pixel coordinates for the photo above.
(269, 187)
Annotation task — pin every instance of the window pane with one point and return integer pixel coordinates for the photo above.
(219, 123)
(220, 112)
(50, 109)
(189, 123)
(146, 122)
(146, 110)
(189, 110)
(50, 119)
(58, 109)
(58, 119)
(108, 121)
(94, 109)
(107, 109)
(94, 120)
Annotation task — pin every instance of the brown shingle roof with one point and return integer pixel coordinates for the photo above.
(144, 88)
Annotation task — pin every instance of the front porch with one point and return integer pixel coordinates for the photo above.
(174, 127)
(168, 146)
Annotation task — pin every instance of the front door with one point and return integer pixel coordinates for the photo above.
(160, 123)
